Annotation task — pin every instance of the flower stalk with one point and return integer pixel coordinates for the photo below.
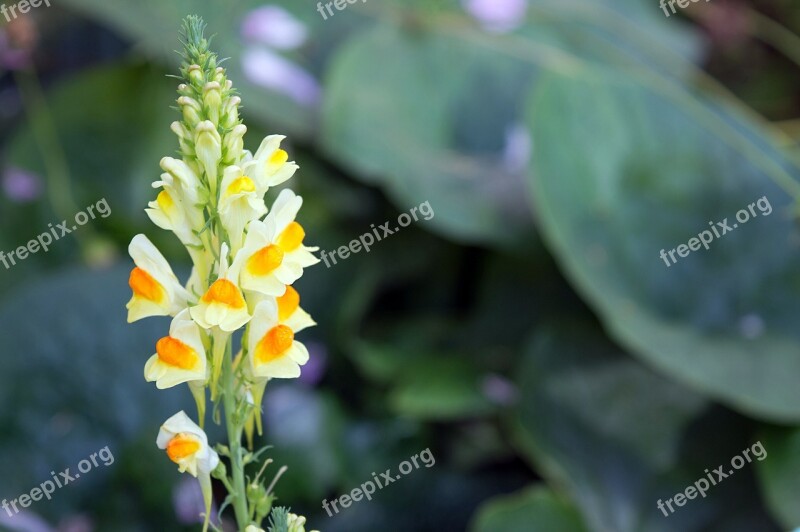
(245, 258)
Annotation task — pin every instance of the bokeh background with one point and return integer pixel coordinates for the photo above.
(563, 377)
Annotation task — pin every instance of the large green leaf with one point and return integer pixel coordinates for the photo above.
(429, 125)
(624, 170)
(619, 437)
(532, 510)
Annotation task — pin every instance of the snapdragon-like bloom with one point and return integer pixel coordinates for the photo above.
(156, 290)
(223, 304)
(180, 357)
(187, 445)
(273, 351)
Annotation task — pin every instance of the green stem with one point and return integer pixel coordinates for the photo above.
(235, 440)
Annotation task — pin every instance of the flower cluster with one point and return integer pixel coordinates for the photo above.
(245, 256)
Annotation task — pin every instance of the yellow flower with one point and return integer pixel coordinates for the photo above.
(273, 255)
(260, 265)
(223, 304)
(180, 357)
(290, 313)
(241, 201)
(156, 290)
(169, 211)
(187, 445)
(290, 233)
(270, 165)
(272, 350)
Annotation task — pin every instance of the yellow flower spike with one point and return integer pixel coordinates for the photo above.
(156, 290)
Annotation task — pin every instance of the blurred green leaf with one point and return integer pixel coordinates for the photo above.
(619, 437)
(397, 124)
(654, 168)
(534, 510)
(112, 146)
(779, 474)
(439, 388)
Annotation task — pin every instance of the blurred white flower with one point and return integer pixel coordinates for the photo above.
(270, 70)
(275, 27)
(517, 152)
(497, 15)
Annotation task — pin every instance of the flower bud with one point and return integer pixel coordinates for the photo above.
(195, 74)
(212, 97)
(209, 152)
(219, 76)
(230, 112)
(191, 110)
(234, 144)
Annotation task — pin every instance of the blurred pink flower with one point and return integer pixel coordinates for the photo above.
(317, 364)
(187, 499)
(497, 15)
(24, 521)
(499, 390)
(12, 58)
(21, 186)
(275, 27)
(270, 70)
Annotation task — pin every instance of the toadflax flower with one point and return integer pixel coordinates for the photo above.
(180, 357)
(273, 351)
(156, 290)
(187, 445)
(245, 257)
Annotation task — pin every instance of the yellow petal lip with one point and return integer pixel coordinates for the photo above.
(241, 185)
(265, 260)
(165, 201)
(288, 303)
(279, 157)
(175, 353)
(182, 446)
(145, 286)
(225, 292)
(274, 344)
(292, 237)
